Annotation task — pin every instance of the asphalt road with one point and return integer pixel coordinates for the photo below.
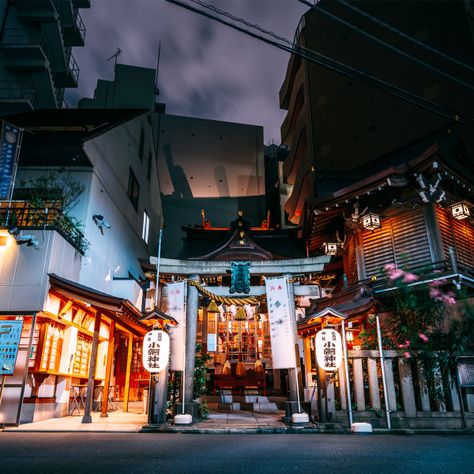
(197, 453)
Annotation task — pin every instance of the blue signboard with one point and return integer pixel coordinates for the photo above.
(10, 333)
(9, 148)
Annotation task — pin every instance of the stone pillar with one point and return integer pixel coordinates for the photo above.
(373, 383)
(331, 399)
(406, 385)
(391, 395)
(423, 389)
(454, 394)
(87, 418)
(192, 305)
(160, 398)
(341, 376)
(358, 383)
(291, 372)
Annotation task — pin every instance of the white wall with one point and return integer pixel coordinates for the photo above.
(23, 270)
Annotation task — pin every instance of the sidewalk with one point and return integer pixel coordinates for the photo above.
(116, 422)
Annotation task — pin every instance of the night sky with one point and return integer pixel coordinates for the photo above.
(206, 69)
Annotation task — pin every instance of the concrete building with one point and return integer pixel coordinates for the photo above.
(81, 276)
(202, 164)
(336, 124)
(36, 41)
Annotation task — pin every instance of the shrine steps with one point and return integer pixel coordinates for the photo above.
(252, 402)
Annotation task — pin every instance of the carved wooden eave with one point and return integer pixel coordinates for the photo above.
(239, 247)
(120, 310)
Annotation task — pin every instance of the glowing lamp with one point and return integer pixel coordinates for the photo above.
(371, 221)
(330, 248)
(460, 211)
(3, 240)
(328, 350)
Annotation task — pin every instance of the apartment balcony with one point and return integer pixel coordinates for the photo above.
(22, 49)
(23, 216)
(18, 97)
(68, 77)
(36, 10)
(82, 3)
(73, 28)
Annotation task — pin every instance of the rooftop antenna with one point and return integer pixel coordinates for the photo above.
(115, 56)
(157, 92)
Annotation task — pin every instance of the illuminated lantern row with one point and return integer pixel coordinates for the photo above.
(460, 211)
(371, 221)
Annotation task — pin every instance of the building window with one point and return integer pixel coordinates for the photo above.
(133, 189)
(141, 145)
(148, 166)
(146, 227)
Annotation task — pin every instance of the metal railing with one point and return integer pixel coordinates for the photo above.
(22, 215)
(79, 23)
(73, 67)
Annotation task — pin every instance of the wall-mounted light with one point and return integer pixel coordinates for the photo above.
(330, 248)
(100, 222)
(20, 238)
(460, 211)
(371, 221)
(3, 240)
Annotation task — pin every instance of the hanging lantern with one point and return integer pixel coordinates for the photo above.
(330, 248)
(371, 221)
(240, 315)
(213, 308)
(460, 211)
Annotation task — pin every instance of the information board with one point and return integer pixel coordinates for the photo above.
(10, 333)
(466, 372)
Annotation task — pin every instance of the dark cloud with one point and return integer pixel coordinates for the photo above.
(206, 69)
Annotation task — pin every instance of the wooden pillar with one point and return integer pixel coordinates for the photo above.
(191, 323)
(108, 371)
(126, 395)
(406, 385)
(87, 418)
(358, 383)
(373, 383)
(308, 365)
(205, 324)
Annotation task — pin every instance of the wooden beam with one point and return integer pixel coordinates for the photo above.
(108, 371)
(126, 394)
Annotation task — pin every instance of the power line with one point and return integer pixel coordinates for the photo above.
(404, 35)
(338, 67)
(385, 44)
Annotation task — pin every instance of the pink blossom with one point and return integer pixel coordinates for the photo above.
(390, 267)
(436, 294)
(436, 283)
(409, 277)
(407, 355)
(449, 298)
(423, 337)
(396, 274)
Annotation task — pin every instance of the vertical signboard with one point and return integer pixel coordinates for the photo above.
(10, 333)
(10, 139)
(282, 336)
(176, 308)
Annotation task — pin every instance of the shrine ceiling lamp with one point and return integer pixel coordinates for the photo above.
(460, 211)
(371, 221)
(330, 248)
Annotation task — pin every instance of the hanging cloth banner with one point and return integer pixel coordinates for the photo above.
(282, 335)
(177, 309)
